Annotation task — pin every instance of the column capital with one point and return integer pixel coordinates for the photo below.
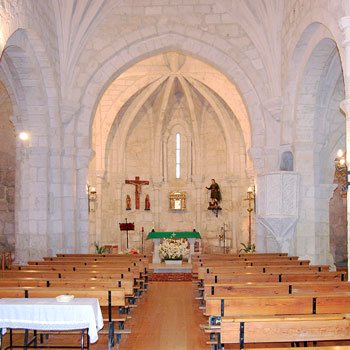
(345, 106)
(68, 110)
(157, 181)
(344, 23)
(84, 156)
(274, 107)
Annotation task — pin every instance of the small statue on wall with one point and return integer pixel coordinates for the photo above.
(215, 195)
(147, 203)
(128, 202)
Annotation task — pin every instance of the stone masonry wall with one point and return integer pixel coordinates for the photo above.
(337, 224)
(7, 174)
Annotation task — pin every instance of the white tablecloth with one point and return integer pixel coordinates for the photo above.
(49, 314)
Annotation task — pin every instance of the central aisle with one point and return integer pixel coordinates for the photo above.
(167, 318)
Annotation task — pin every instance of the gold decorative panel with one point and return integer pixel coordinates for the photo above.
(177, 200)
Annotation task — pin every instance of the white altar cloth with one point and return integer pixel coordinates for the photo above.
(47, 314)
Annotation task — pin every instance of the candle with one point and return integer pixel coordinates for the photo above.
(152, 224)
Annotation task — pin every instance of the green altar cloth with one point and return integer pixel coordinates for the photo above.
(190, 234)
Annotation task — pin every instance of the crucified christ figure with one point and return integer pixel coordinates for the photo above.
(138, 183)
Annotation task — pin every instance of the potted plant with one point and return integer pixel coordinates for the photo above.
(173, 250)
(99, 249)
(247, 248)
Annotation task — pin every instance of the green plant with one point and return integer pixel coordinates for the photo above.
(247, 248)
(99, 249)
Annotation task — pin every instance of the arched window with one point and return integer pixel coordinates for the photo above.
(178, 156)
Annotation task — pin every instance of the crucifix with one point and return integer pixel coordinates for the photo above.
(138, 183)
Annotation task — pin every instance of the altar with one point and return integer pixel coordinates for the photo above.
(157, 236)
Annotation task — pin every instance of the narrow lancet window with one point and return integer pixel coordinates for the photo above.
(178, 156)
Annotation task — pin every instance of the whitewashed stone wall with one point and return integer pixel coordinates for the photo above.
(59, 82)
(7, 174)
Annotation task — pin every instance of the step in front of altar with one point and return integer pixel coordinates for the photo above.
(162, 268)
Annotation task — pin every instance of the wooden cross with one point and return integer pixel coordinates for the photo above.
(138, 183)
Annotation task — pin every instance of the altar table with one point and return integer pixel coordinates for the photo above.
(47, 314)
(157, 236)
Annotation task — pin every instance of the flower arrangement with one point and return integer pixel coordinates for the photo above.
(173, 249)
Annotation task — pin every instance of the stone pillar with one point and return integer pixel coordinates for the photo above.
(55, 204)
(234, 214)
(118, 189)
(82, 165)
(69, 208)
(98, 208)
(344, 24)
(68, 174)
(165, 160)
(32, 221)
(157, 181)
(198, 187)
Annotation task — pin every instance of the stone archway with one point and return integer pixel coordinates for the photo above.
(27, 85)
(177, 92)
(317, 127)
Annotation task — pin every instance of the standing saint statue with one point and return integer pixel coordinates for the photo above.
(215, 194)
(147, 203)
(128, 202)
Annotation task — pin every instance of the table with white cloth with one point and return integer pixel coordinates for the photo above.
(47, 314)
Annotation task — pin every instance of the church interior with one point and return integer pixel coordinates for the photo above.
(223, 122)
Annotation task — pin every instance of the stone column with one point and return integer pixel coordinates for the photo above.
(344, 24)
(165, 160)
(157, 181)
(68, 174)
(119, 208)
(234, 213)
(198, 187)
(69, 208)
(82, 165)
(32, 217)
(98, 207)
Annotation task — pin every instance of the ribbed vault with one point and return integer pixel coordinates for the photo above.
(165, 82)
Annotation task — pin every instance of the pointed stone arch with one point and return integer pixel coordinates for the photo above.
(29, 79)
(307, 128)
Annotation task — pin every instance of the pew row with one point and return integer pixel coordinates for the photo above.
(269, 329)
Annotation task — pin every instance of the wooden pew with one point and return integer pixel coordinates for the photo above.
(202, 271)
(196, 257)
(282, 288)
(277, 305)
(273, 277)
(242, 330)
(248, 262)
(67, 271)
(64, 274)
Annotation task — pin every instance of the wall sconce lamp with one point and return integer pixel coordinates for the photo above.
(251, 199)
(92, 196)
(24, 136)
(341, 170)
